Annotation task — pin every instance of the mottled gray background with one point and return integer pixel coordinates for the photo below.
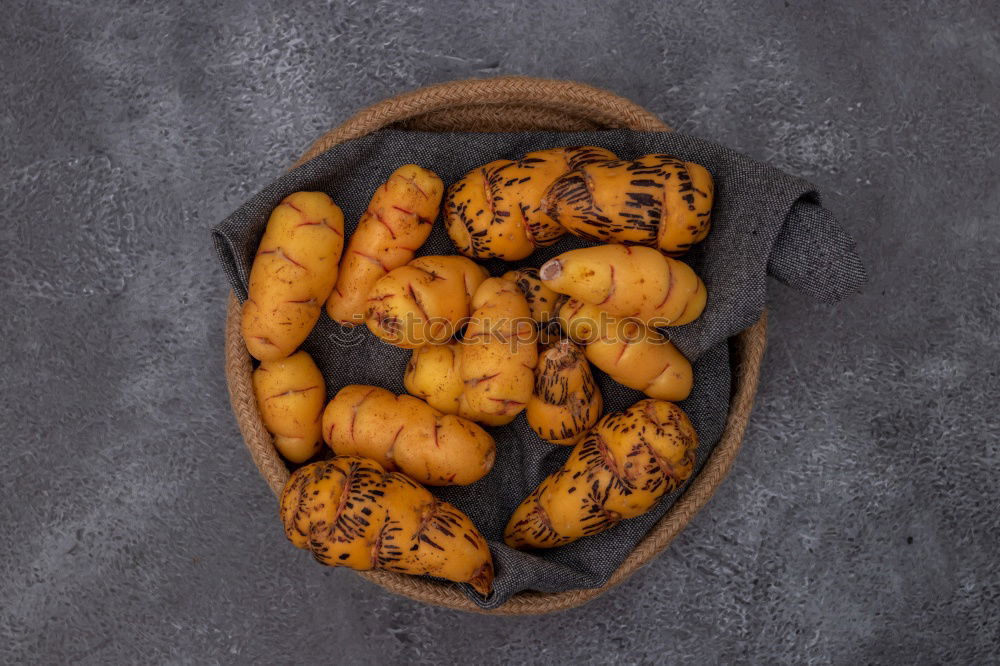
(860, 523)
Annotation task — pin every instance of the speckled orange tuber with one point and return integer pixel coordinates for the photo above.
(619, 470)
(566, 401)
(543, 301)
(348, 511)
(497, 209)
(659, 201)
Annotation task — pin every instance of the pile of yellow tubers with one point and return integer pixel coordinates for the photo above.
(484, 349)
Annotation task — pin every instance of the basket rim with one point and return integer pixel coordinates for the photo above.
(565, 103)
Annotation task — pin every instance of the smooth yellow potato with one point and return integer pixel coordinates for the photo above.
(434, 374)
(499, 354)
(630, 353)
(405, 433)
(423, 302)
(496, 210)
(290, 395)
(635, 282)
(397, 222)
(566, 401)
(348, 511)
(619, 470)
(659, 201)
(292, 274)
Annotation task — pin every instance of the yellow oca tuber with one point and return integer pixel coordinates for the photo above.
(543, 301)
(630, 353)
(659, 201)
(397, 222)
(499, 354)
(292, 274)
(405, 433)
(290, 396)
(635, 282)
(424, 302)
(497, 211)
(434, 374)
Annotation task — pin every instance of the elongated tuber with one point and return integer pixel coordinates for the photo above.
(566, 401)
(659, 201)
(507, 208)
(496, 210)
(348, 511)
(624, 464)
(630, 353)
(397, 222)
(290, 396)
(635, 282)
(292, 274)
(499, 353)
(405, 433)
(423, 302)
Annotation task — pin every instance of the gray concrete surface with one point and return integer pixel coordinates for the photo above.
(860, 523)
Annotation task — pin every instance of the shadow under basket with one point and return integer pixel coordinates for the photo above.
(491, 105)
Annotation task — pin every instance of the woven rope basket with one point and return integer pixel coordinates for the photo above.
(507, 104)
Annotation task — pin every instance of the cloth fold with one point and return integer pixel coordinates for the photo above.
(764, 222)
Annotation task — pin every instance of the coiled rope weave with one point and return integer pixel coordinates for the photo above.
(490, 105)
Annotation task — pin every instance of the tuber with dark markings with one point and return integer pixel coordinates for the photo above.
(619, 470)
(566, 401)
(348, 511)
(543, 301)
(497, 209)
(659, 201)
